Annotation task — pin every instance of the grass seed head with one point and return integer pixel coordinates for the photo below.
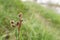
(20, 14)
(12, 21)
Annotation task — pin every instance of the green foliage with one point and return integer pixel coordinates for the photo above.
(9, 9)
(45, 12)
(34, 26)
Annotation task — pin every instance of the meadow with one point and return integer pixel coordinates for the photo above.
(39, 23)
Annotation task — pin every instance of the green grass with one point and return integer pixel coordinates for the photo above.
(45, 12)
(9, 10)
(39, 23)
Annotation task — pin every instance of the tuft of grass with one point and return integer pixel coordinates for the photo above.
(9, 11)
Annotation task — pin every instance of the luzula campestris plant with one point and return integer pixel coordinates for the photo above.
(17, 25)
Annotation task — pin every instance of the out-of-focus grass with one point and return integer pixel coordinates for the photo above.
(9, 10)
(34, 26)
(48, 26)
(48, 14)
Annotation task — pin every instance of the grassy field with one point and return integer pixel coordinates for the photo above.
(39, 23)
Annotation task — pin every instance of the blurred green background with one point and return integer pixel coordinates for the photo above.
(39, 23)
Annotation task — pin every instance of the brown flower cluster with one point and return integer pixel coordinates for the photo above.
(19, 23)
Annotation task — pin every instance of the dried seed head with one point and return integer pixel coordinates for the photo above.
(12, 21)
(20, 14)
(7, 37)
(13, 25)
(17, 23)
